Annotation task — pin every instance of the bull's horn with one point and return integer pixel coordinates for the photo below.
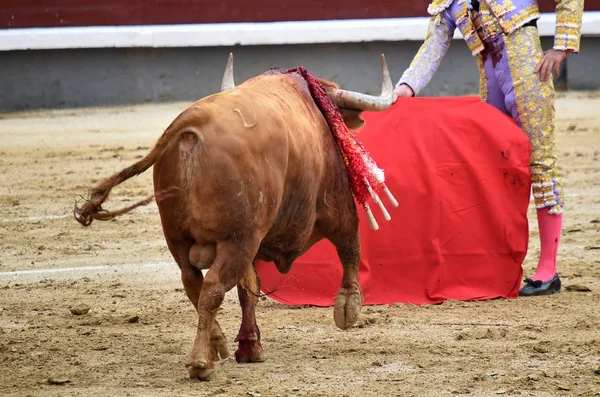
(358, 101)
(228, 81)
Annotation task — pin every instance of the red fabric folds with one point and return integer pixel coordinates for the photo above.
(460, 171)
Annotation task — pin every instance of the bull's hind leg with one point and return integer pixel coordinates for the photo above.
(218, 342)
(201, 257)
(348, 301)
(192, 279)
(249, 348)
(229, 267)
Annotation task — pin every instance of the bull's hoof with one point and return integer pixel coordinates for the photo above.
(347, 307)
(254, 355)
(249, 349)
(219, 348)
(200, 369)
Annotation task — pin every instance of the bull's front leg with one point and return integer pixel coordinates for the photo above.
(348, 302)
(229, 267)
(249, 348)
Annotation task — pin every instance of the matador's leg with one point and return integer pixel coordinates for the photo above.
(531, 103)
(489, 87)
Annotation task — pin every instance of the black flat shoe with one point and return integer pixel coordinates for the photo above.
(535, 288)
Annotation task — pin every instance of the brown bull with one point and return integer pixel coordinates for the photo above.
(251, 173)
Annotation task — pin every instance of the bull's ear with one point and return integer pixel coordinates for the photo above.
(351, 116)
(352, 119)
(328, 85)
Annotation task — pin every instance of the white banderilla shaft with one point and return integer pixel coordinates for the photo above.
(378, 201)
(372, 221)
(389, 194)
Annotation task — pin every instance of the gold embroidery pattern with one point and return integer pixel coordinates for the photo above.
(483, 88)
(437, 6)
(428, 58)
(465, 24)
(568, 25)
(520, 18)
(491, 27)
(502, 9)
(535, 105)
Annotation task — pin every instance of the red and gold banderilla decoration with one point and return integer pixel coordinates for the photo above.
(366, 178)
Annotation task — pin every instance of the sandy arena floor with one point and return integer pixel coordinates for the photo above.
(135, 338)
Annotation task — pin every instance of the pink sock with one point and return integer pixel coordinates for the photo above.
(550, 230)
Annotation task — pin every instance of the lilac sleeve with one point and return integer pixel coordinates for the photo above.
(430, 55)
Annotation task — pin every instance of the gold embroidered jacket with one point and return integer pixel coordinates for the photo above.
(509, 15)
(497, 16)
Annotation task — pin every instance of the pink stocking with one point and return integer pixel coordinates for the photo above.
(550, 230)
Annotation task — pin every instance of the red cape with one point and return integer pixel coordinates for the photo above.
(460, 170)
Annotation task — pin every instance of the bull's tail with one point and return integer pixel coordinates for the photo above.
(92, 207)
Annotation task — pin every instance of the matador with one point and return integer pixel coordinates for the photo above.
(516, 77)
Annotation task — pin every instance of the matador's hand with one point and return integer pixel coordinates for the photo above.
(403, 90)
(551, 60)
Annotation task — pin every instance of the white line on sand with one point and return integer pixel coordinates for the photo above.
(32, 218)
(53, 217)
(86, 268)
